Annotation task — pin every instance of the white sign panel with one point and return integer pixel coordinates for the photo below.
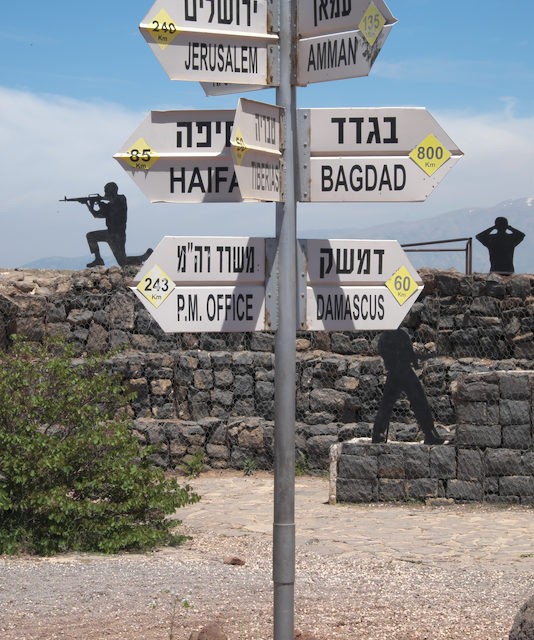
(345, 308)
(319, 17)
(197, 260)
(385, 154)
(372, 179)
(226, 88)
(376, 130)
(192, 284)
(210, 308)
(183, 156)
(223, 41)
(355, 261)
(256, 147)
(337, 56)
(239, 16)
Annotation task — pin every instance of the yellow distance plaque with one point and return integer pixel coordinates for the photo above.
(402, 285)
(156, 286)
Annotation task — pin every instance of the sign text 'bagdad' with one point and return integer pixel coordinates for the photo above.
(389, 154)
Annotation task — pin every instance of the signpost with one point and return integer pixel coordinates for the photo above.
(356, 155)
(192, 284)
(392, 154)
(227, 42)
(358, 285)
(183, 156)
(348, 36)
(256, 147)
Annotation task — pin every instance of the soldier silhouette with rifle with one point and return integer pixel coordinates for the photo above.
(501, 241)
(111, 207)
(396, 350)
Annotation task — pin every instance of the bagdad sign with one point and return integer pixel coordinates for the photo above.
(355, 33)
(193, 284)
(357, 285)
(256, 147)
(225, 41)
(183, 156)
(389, 154)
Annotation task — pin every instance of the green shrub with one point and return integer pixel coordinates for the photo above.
(72, 476)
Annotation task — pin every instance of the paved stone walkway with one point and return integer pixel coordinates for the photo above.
(452, 533)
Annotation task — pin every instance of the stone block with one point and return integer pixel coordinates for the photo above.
(391, 465)
(421, 488)
(514, 412)
(361, 467)
(477, 435)
(527, 460)
(502, 462)
(356, 490)
(443, 462)
(514, 387)
(520, 486)
(470, 464)
(391, 490)
(465, 490)
(517, 436)
(416, 461)
(477, 413)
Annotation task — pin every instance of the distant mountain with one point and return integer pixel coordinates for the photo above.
(64, 264)
(464, 223)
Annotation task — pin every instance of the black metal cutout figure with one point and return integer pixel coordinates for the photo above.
(501, 241)
(112, 207)
(396, 350)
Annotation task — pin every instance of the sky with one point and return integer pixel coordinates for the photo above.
(77, 78)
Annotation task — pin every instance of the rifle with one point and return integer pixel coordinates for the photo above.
(91, 199)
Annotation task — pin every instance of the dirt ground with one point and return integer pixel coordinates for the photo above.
(364, 572)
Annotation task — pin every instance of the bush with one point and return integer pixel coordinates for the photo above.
(72, 476)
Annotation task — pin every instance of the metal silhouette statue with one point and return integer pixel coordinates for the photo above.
(501, 241)
(396, 350)
(113, 208)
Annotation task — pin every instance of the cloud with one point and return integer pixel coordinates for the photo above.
(54, 146)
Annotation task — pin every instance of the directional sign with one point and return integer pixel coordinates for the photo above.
(317, 17)
(183, 156)
(358, 284)
(256, 147)
(349, 53)
(192, 284)
(391, 154)
(213, 41)
(226, 88)
(197, 260)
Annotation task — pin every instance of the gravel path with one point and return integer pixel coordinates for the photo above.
(364, 572)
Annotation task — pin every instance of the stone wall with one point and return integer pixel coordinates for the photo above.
(491, 458)
(215, 392)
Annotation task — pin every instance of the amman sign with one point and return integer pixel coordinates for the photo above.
(183, 156)
(389, 154)
(193, 284)
(357, 285)
(226, 41)
(360, 32)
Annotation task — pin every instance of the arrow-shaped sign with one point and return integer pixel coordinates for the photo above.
(356, 32)
(256, 148)
(192, 284)
(201, 41)
(183, 156)
(358, 285)
(391, 154)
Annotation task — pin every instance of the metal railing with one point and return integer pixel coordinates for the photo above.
(467, 249)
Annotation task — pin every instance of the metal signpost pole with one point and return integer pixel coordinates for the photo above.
(285, 351)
